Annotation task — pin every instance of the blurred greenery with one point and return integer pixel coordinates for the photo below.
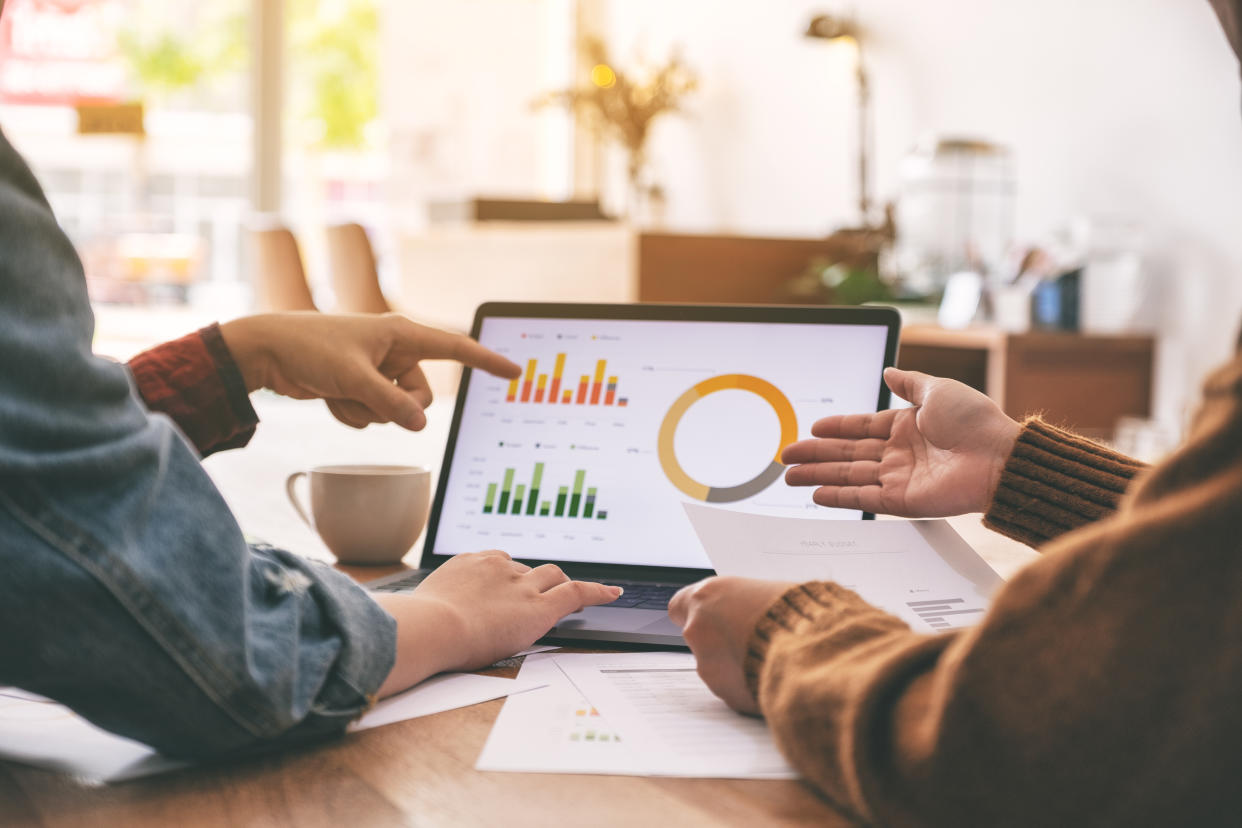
(173, 52)
(163, 64)
(335, 45)
(829, 282)
(188, 53)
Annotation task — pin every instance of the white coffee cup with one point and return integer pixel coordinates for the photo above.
(365, 514)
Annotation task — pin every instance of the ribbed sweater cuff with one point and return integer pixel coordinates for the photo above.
(1055, 481)
(799, 606)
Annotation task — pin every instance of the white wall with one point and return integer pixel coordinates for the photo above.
(1127, 109)
(458, 81)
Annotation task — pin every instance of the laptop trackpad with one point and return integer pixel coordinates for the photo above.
(662, 626)
(616, 619)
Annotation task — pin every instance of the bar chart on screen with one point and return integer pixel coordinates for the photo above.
(575, 501)
(612, 424)
(596, 388)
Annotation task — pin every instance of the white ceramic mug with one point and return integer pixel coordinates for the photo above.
(365, 514)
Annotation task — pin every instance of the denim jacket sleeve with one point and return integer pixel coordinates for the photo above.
(127, 590)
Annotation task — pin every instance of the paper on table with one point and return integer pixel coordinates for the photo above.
(40, 732)
(554, 730)
(921, 571)
(670, 720)
(437, 694)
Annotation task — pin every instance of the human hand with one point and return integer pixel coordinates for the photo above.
(942, 457)
(486, 606)
(717, 617)
(364, 366)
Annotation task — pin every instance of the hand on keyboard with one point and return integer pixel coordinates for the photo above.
(644, 596)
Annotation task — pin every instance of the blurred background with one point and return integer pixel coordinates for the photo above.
(1050, 190)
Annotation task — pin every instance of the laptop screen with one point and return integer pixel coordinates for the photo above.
(616, 422)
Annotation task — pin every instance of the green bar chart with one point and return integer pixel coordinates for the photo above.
(535, 481)
(576, 500)
(505, 491)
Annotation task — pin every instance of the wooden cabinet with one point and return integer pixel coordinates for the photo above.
(1080, 381)
(1084, 382)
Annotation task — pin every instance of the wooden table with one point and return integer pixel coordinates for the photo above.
(417, 772)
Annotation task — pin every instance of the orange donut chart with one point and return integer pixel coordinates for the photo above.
(726, 494)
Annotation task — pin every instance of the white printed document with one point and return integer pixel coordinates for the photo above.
(555, 729)
(437, 694)
(919, 570)
(38, 731)
(646, 714)
(670, 718)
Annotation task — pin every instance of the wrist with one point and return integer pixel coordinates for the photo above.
(431, 638)
(444, 634)
(246, 343)
(1006, 438)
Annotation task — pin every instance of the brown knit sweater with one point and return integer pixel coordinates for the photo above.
(1104, 687)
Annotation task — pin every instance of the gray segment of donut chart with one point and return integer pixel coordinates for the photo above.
(750, 488)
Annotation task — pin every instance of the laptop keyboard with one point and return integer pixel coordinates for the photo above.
(643, 596)
(637, 595)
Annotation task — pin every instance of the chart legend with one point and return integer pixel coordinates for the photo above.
(578, 501)
(541, 388)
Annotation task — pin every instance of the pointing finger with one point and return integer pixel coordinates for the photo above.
(431, 343)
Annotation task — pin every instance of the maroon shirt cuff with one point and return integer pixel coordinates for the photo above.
(196, 382)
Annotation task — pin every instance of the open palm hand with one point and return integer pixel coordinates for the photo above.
(941, 457)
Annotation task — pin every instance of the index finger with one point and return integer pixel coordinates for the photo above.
(572, 596)
(433, 343)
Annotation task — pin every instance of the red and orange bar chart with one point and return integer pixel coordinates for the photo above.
(534, 387)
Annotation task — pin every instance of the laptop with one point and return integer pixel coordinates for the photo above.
(622, 414)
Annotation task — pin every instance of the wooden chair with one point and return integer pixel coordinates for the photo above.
(355, 278)
(279, 277)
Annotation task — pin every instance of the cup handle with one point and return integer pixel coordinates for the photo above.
(293, 497)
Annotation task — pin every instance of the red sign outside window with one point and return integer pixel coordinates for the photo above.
(61, 51)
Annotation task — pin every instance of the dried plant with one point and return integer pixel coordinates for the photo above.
(624, 107)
